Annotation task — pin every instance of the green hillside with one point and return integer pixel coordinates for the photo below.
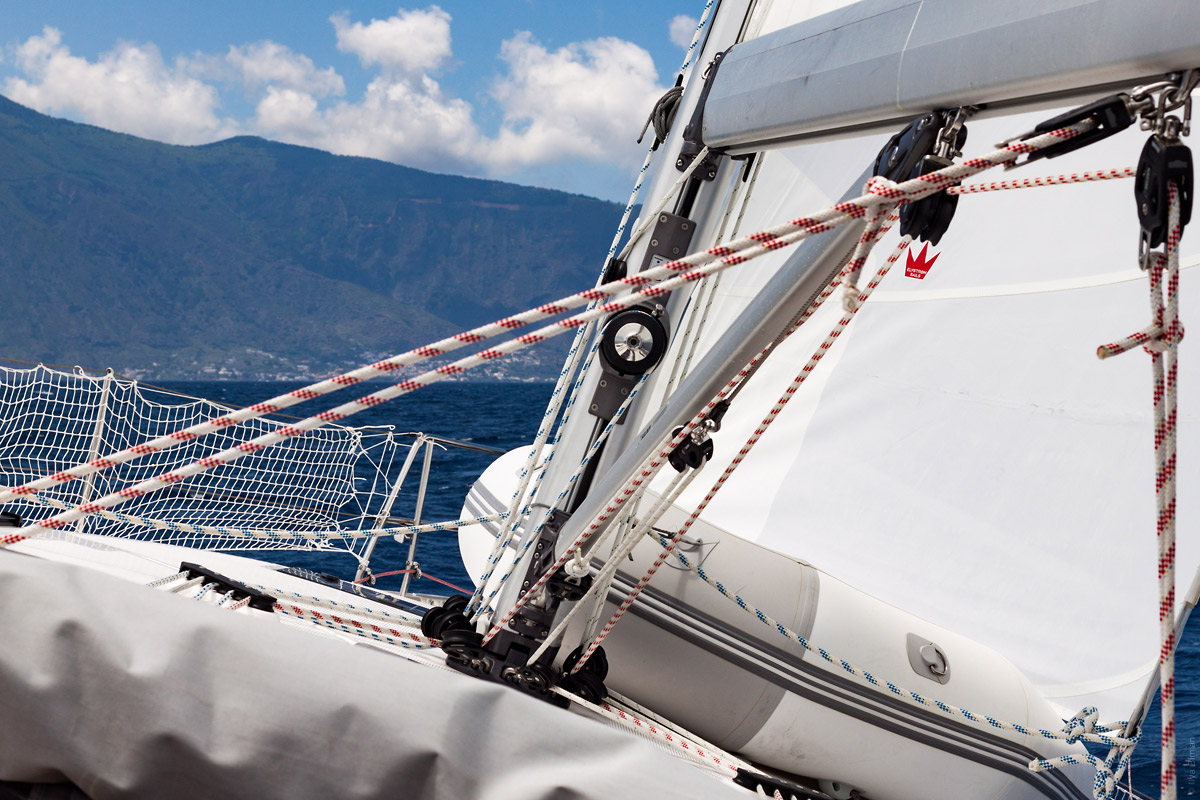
(249, 258)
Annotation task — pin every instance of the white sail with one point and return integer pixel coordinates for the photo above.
(962, 453)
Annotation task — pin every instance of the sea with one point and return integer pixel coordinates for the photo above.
(505, 415)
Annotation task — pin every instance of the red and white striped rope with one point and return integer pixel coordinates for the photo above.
(632, 716)
(691, 268)
(651, 466)
(700, 752)
(407, 639)
(339, 616)
(239, 604)
(1161, 340)
(881, 221)
(602, 581)
(1048, 180)
(398, 617)
(268, 534)
(715, 259)
(528, 473)
(353, 377)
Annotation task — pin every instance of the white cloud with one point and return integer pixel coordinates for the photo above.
(268, 63)
(586, 99)
(412, 42)
(128, 89)
(403, 115)
(406, 121)
(583, 101)
(683, 28)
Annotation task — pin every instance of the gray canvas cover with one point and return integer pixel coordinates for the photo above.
(133, 693)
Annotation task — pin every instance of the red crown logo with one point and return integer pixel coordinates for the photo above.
(918, 267)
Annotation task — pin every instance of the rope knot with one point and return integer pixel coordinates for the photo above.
(850, 295)
(1167, 338)
(576, 567)
(1085, 726)
(1082, 724)
(880, 186)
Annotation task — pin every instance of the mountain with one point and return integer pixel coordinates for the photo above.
(249, 258)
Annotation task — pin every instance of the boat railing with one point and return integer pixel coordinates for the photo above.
(335, 490)
(424, 445)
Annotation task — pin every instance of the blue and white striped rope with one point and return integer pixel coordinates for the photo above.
(687, 58)
(1082, 727)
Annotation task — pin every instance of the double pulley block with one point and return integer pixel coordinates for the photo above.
(925, 145)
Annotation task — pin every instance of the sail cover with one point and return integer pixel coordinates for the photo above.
(962, 453)
(132, 693)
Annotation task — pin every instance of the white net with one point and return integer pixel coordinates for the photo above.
(334, 479)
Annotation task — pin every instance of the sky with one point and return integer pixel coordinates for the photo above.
(536, 92)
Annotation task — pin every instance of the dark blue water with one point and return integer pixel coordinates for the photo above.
(505, 416)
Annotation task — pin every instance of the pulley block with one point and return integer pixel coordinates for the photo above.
(928, 218)
(1163, 162)
(690, 452)
(633, 341)
(925, 145)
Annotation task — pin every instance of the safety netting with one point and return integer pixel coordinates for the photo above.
(333, 481)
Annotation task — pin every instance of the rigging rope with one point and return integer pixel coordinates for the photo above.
(237, 532)
(1161, 340)
(407, 640)
(603, 580)
(504, 538)
(1048, 180)
(571, 369)
(548, 512)
(881, 221)
(327, 613)
(688, 269)
(880, 192)
(679, 368)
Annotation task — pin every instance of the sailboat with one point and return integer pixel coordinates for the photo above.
(822, 514)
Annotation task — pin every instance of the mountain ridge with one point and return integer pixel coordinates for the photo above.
(247, 258)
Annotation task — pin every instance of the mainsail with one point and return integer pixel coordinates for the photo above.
(962, 453)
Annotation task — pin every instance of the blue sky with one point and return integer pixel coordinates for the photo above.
(530, 91)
